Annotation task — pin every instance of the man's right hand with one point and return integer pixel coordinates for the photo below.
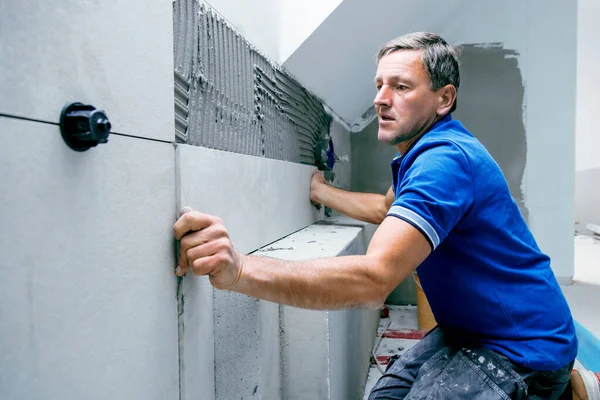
(205, 247)
(316, 183)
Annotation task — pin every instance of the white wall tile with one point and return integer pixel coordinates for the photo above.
(260, 200)
(87, 290)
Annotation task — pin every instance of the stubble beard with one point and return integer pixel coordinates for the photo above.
(401, 137)
(404, 137)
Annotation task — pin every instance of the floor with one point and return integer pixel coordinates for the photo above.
(398, 333)
(584, 300)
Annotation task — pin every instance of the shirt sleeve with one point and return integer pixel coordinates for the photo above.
(435, 190)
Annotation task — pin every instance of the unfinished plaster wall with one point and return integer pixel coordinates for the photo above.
(491, 107)
(371, 161)
(587, 167)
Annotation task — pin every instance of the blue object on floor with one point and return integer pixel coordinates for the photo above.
(588, 352)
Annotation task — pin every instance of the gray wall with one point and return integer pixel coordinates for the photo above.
(371, 160)
(588, 85)
(87, 291)
(587, 167)
(490, 106)
(371, 172)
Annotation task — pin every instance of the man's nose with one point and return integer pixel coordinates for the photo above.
(383, 97)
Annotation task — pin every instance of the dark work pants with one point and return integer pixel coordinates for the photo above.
(433, 369)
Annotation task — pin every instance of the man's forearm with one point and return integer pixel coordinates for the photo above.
(349, 282)
(367, 207)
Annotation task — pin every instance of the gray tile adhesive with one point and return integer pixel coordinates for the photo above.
(228, 96)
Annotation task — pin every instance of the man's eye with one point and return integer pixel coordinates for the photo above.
(378, 87)
(401, 87)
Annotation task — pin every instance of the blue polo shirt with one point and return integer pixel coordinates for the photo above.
(486, 280)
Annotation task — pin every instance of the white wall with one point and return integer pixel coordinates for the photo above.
(118, 56)
(588, 86)
(262, 201)
(275, 27)
(587, 152)
(298, 20)
(549, 179)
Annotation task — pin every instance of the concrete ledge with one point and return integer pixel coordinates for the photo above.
(322, 354)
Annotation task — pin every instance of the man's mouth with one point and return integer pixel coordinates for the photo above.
(386, 117)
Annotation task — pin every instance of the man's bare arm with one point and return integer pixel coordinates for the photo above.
(396, 249)
(367, 207)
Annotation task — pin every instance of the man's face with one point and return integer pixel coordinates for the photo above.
(405, 104)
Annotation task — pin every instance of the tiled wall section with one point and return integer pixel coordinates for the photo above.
(229, 96)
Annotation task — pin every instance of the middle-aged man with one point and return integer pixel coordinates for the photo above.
(505, 330)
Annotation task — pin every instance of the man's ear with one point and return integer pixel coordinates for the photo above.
(446, 98)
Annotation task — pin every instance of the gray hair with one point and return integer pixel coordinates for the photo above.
(439, 58)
